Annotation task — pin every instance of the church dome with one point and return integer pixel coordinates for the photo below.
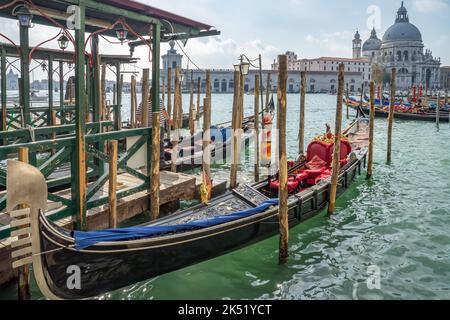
(373, 43)
(402, 29)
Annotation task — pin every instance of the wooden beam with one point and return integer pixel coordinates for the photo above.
(337, 140)
(283, 173)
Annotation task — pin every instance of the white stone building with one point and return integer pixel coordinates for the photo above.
(402, 47)
(321, 74)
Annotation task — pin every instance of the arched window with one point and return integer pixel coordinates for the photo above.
(312, 80)
(399, 56)
(406, 55)
(224, 85)
(352, 81)
(231, 84)
(332, 81)
(216, 84)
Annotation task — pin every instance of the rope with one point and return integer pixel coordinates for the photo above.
(43, 42)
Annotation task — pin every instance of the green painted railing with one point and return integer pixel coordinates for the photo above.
(63, 152)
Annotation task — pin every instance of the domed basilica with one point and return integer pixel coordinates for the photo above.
(402, 48)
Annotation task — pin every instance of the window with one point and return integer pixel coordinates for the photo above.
(174, 64)
(325, 68)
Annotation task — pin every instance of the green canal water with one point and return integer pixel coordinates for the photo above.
(398, 223)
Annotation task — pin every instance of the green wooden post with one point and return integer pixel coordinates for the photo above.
(61, 92)
(117, 113)
(25, 73)
(96, 83)
(155, 67)
(79, 155)
(3, 88)
(50, 91)
(88, 92)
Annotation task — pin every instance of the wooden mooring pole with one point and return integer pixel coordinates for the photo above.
(23, 292)
(234, 125)
(268, 89)
(155, 178)
(438, 109)
(191, 109)
(391, 115)
(207, 127)
(176, 127)
(199, 91)
(283, 173)
(145, 97)
(133, 102)
(169, 101)
(347, 95)
(337, 141)
(257, 147)
(301, 132)
(371, 129)
(112, 187)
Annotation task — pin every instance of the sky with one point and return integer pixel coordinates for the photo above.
(311, 28)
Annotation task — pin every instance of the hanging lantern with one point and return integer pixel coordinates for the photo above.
(121, 32)
(44, 66)
(24, 15)
(63, 42)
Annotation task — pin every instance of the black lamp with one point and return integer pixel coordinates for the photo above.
(63, 42)
(121, 32)
(24, 15)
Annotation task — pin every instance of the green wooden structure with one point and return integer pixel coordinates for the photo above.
(80, 143)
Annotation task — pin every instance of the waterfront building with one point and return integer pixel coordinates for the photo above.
(402, 47)
(12, 80)
(445, 77)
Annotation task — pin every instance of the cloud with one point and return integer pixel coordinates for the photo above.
(335, 43)
(429, 6)
(218, 52)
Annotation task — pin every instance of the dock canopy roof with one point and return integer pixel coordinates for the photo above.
(101, 14)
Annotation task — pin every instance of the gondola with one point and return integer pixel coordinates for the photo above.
(112, 259)
(190, 148)
(422, 116)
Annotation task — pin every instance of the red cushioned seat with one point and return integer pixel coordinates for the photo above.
(292, 184)
(302, 176)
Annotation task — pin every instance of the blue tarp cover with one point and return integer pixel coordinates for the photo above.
(86, 239)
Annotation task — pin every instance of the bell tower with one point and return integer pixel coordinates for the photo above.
(357, 45)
